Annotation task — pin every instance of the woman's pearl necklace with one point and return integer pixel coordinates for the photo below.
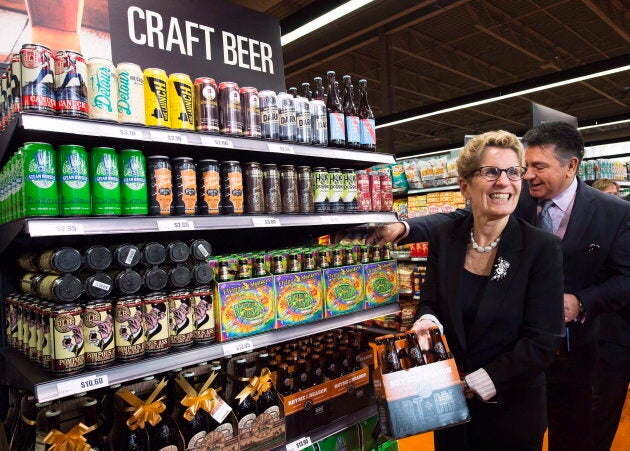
(482, 249)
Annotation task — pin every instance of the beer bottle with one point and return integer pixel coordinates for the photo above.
(350, 257)
(90, 412)
(244, 269)
(302, 377)
(278, 265)
(343, 360)
(201, 273)
(105, 415)
(195, 430)
(352, 120)
(293, 91)
(127, 282)
(154, 279)
(259, 267)
(336, 125)
(122, 438)
(355, 363)
(60, 261)
(306, 91)
(319, 117)
(97, 258)
(323, 259)
(24, 437)
(244, 410)
(376, 253)
(219, 386)
(165, 436)
(367, 124)
(316, 373)
(285, 381)
(294, 263)
(364, 255)
(99, 285)
(126, 255)
(12, 413)
(267, 401)
(437, 345)
(391, 364)
(225, 275)
(53, 420)
(413, 350)
(330, 368)
(387, 252)
(309, 261)
(403, 356)
(153, 253)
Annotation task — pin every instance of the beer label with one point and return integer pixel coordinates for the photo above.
(235, 182)
(188, 190)
(74, 171)
(353, 129)
(70, 78)
(37, 79)
(98, 330)
(106, 173)
(156, 321)
(336, 186)
(349, 187)
(68, 352)
(181, 98)
(321, 186)
(162, 190)
(245, 424)
(130, 97)
(196, 440)
(215, 439)
(156, 101)
(363, 192)
(211, 193)
(181, 323)
(169, 448)
(368, 132)
(41, 169)
(273, 412)
(129, 331)
(203, 314)
(337, 130)
(134, 175)
(102, 92)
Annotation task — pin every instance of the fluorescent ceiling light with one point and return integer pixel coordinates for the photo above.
(325, 19)
(605, 124)
(509, 96)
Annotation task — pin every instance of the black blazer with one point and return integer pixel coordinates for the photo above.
(520, 319)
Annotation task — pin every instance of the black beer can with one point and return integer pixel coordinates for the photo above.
(208, 187)
(231, 188)
(98, 330)
(305, 189)
(160, 185)
(206, 108)
(254, 192)
(272, 191)
(250, 106)
(230, 120)
(289, 189)
(185, 186)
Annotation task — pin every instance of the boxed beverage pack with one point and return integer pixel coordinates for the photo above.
(299, 298)
(349, 439)
(381, 283)
(344, 290)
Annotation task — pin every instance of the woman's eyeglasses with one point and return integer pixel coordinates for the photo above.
(492, 173)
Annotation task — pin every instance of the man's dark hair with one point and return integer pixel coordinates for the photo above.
(565, 137)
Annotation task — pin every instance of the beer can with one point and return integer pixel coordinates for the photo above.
(5, 101)
(305, 189)
(40, 184)
(98, 331)
(133, 183)
(206, 108)
(208, 187)
(272, 190)
(26, 282)
(349, 196)
(70, 84)
(102, 89)
(10, 313)
(181, 319)
(321, 187)
(60, 260)
(375, 191)
(230, 118)
(34, 314)
(289, 189)
(66, 288)
(105, 179)
(304, 130)
(44, 338)
(156, 318)
(319, 121)
(203, 315)
(180, 102)
(335, 190)
(23, 311)
(156, 98)
(231, 188)
(160, 185)
(269, 124)
(130, 93)
(254, 190)
(129, 328)
(250, 105)
(74, 181)
(16, 82)
(287, 117)
(364, 196)
(154, 278)
(67, 341)
(185, 186)
(387, 196)
(98, 285)
(37, 78)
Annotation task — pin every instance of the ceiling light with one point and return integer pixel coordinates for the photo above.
(325, 19)
(605, 124)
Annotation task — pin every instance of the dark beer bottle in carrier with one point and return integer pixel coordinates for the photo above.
(284, 380)
(245, 409)
(413, 350)
(287, 117)
(90, 412)
(193, 430)
(438, 349)
(391, 363)
(319, 116)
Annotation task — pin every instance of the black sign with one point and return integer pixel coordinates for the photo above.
(200, 38)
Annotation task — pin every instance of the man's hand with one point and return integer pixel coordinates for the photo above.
(571, 307)
(386, 234)
(421, 328)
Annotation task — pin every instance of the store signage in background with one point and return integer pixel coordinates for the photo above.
(214, 39)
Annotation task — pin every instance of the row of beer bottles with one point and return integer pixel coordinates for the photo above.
(402, 351)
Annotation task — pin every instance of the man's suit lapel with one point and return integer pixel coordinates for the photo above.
(581, 214)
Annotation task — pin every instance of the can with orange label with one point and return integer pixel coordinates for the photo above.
(208, 187)
(185, 186)
(180, 102)
(160, 185)
(156, 97)
(231, 175)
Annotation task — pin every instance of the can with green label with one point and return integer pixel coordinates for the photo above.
(40, 181)
(74, 181)
(105, 181)
(133, 183)
(19, 175)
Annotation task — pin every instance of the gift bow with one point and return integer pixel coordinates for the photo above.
(205, 398)
(72, 441)
(256, 386)
(144, 411)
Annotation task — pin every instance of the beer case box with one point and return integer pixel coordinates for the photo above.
(381, 283)
(299, 298)
(348, 439)
(344, 290)
(244, 307)
(420, 399)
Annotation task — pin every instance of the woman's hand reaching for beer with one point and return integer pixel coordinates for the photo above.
(386, 234)
(421, 328)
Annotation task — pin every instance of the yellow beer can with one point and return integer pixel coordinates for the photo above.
(156, 97)
(181, 104)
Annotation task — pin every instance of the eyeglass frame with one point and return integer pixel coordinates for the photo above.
(520, 177)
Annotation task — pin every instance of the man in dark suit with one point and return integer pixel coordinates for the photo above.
(595, 232)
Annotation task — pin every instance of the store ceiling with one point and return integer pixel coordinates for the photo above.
(418, 53)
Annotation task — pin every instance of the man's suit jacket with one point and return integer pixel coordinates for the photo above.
(520, 317)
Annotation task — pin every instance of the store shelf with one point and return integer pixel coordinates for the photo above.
(22, 373)
(96, 129)
(433, 189)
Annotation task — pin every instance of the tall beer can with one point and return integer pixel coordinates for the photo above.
(335, 190)
(160, 185)
(305, 189)
(269, 123)
(40, 184)
(375, 191)
(98, 333)
(74, 181)
(102, 89)
(133, 183)
(272, 189)
(38, 80)
(156, 98)
(321, 187)
(105, 181)
(66, 333)
(16, 82)
(364, 195)
(70, 84)
(180, 102)
(287, 117)
(129, 328)
(387, 196)
(230, 119)
(5, 101)
(185, 186)
(206, 107)
(208, 187)
(349, 196)
(130, 93)
(250, 106)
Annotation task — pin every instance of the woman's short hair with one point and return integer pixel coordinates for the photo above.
(604, 184)
(470, 156)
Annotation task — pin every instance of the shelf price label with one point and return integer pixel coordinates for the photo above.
(299, 444)
(168, 137)
(237, 347)
(46, 228)
(69, 229)
(331, 219)
(265, 221)
(113, 131)
(280, 148)
(170, 225)
(82, 384)
(217, 141)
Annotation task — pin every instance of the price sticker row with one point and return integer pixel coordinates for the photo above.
(113, 131)
(299, 444)
(170, 225)
(265, 221)
(168, 137)
(280, 148)
(237, 347)
(217, 141)
(82, 384)
(45, 228)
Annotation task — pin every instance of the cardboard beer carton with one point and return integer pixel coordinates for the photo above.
(299, 298)
(344, 290)
(381, 283)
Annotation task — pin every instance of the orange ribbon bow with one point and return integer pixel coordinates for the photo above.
(144, 411)
(256, 386)
(72, 441)
(206, 398)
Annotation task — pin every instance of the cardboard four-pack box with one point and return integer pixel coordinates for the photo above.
(299, 298)
(381, 283)
(344, 290)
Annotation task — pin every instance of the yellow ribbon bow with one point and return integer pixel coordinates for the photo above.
(256, 386)
(206, 398)
(144, 411)
(72, 441)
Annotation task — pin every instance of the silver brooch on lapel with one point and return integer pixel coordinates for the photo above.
(500, 269)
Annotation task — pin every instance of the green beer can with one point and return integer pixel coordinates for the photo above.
(19, 156)
(105, 181)
(133, 183)
(74, 181)
(40, 180)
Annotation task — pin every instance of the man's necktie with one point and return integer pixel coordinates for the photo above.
(544, 219)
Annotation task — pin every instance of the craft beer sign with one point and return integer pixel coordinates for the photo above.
(214, 39)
